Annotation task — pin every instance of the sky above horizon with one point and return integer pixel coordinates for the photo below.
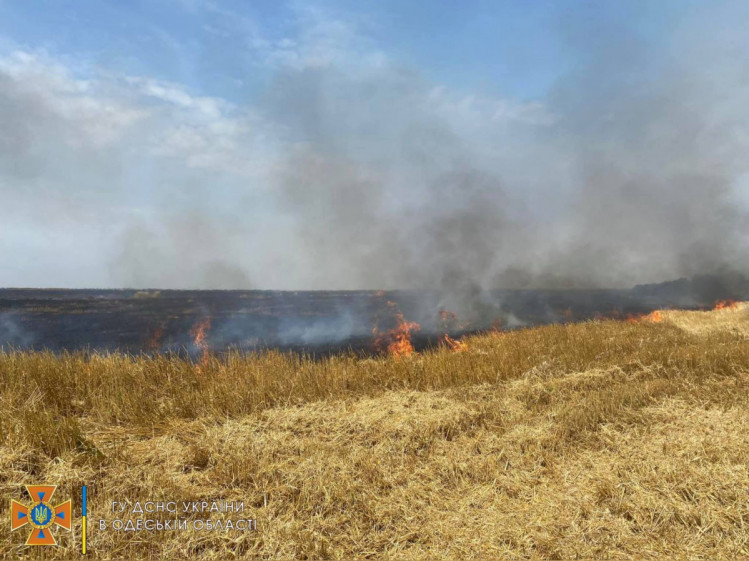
(232, 48)
(335, 144)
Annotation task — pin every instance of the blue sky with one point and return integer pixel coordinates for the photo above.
(373, 144)
(510, 48)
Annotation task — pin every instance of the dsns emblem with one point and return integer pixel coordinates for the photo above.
(40, 515)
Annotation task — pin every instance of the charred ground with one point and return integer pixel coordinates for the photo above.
(322, 322)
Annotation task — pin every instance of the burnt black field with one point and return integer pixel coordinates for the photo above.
(137, 321)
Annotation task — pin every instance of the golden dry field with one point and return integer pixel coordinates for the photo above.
(597, 440)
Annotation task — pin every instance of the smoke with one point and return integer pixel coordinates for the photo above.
(629, 172)
(12, 332)
(657, 137)
(352, 170)
(189, 250)
(384, 190)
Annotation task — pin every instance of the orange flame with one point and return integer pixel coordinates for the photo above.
(199, 332)
(453, 344)
(450, 321)
(726, 305)
(656, 316)
(396, 341)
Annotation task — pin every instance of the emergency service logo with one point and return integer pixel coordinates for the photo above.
(40, 515)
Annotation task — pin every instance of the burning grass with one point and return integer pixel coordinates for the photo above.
(605, 439)
(396, 341)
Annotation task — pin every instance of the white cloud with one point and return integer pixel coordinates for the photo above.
(100, 153)
(322, 39)
(209, 107)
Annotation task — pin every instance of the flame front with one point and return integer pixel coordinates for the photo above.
(726, 305)
(656, 316)
(199, 333)
(453, 344)
(396, 341)
(450, 321)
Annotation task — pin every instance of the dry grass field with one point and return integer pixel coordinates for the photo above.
(598, 440)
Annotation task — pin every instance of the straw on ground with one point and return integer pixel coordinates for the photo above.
(585, 441)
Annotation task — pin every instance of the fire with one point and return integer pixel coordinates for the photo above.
(199, 332)
(396, 341)
(726, 305)
(453, 344)
(450, 321)
(656, 316)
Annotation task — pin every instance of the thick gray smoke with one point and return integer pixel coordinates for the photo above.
(633, 172)
(352, 171)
